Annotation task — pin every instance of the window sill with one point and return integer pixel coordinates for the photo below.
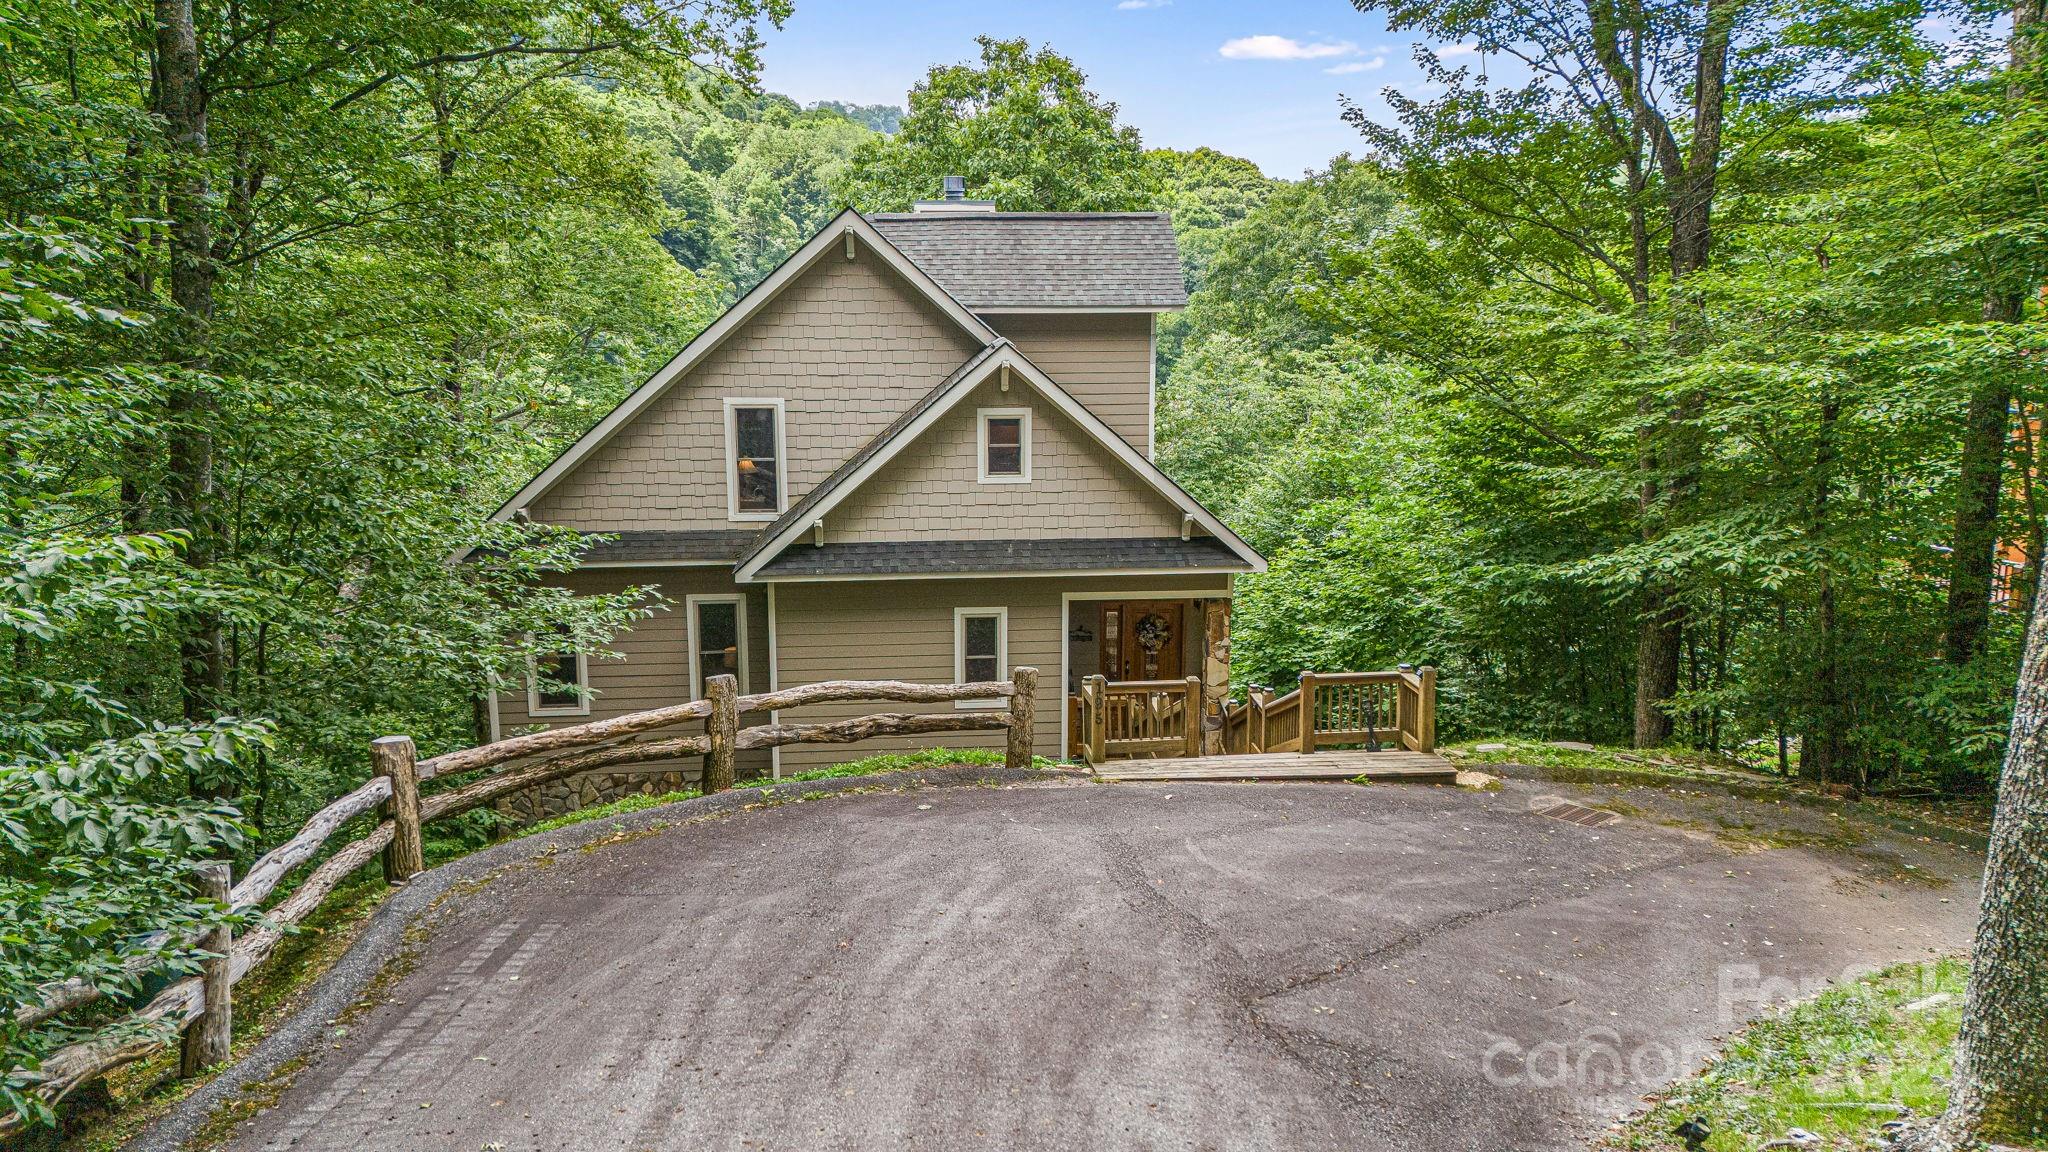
(992, 702)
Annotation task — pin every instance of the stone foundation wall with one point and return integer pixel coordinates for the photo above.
(542, 801)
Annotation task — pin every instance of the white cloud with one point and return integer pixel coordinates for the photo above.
(1350, 67)
(1134, 5)
(1445, 53)
(1282, 48)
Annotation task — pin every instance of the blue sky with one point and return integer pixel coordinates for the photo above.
(1258, 80)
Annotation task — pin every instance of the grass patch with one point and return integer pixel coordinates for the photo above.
(866, 766)
(904, 762)
(1839, 1065)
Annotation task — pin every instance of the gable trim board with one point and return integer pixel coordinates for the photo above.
(1000, 354)
(846, 227)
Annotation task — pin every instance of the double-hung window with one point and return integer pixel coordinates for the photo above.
(558, 682)
(981, 646)
(754, 459)
(1005, 444)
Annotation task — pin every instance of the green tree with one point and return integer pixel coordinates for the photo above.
(1021, 127)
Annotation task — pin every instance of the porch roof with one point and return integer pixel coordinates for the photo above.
(974, 557)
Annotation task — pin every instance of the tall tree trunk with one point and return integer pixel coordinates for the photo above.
(1974, 559)
(2000, 1083)
(181, 103)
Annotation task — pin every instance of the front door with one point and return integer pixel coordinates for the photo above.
(1142, 639)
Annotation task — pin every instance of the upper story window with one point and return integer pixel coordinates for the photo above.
(1005, 442)
(754, 459)
(558, 683)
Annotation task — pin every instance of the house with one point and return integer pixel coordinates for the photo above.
(921, 449)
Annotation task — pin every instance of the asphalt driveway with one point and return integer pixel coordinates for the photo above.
(1081, 966)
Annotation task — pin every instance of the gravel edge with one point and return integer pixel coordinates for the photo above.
(383, 937)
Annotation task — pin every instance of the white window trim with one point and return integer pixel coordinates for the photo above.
(960, 616)
(536, 710)
(732, 458)
(739, 602)
(981, 420)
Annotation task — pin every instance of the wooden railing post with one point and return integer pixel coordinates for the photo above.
(1308, 711)
(1407, 706)
(721, 730)
(1255, 724)
(1096, 706)
(1425, 727)
(1023, 713)
(1191, 715)
(398, 761)
(208, 1038)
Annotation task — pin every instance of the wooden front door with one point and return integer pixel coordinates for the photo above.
(1142, 639)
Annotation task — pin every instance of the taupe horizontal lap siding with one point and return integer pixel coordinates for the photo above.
(903, 630)
(1104, 361)
(648, 666)
(932, 491)
(847, 347)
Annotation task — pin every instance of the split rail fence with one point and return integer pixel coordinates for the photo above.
(202, 1005)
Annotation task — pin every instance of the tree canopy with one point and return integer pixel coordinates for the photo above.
(1021, 127)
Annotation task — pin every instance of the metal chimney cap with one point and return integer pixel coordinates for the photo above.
(955, 187)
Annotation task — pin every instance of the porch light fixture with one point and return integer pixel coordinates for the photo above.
(849, 243)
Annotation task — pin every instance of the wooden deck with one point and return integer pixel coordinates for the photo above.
(1330, 764)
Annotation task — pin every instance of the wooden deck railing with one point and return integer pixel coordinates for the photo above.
(1389, 710)
(1140, 717)
(202, 1004)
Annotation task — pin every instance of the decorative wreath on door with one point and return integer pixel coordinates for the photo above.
(1152, 632)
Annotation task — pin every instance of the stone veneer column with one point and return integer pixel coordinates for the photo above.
(1215, 673)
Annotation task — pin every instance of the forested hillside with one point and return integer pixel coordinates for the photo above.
(1698, 423)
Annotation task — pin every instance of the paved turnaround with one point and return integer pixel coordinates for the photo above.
(1090, 967)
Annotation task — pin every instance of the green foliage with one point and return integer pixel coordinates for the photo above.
(1426, 388)
(1022, 128)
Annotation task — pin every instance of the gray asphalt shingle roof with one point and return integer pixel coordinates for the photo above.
(944, 557)
(714, 544)
(995, 260)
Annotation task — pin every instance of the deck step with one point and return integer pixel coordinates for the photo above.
(1407, 767)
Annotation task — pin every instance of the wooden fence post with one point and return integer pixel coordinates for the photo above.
(208, 1038)
(1426, 707)
(398, 761)
(1192, 716)
(722, 730)
(1023, 712)
(1096, 712)
(1308, 711)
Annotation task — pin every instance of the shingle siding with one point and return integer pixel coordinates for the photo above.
(931, 490)
(847, 345)
(1104, 361)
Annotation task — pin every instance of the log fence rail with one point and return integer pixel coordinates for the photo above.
(202, 1004)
